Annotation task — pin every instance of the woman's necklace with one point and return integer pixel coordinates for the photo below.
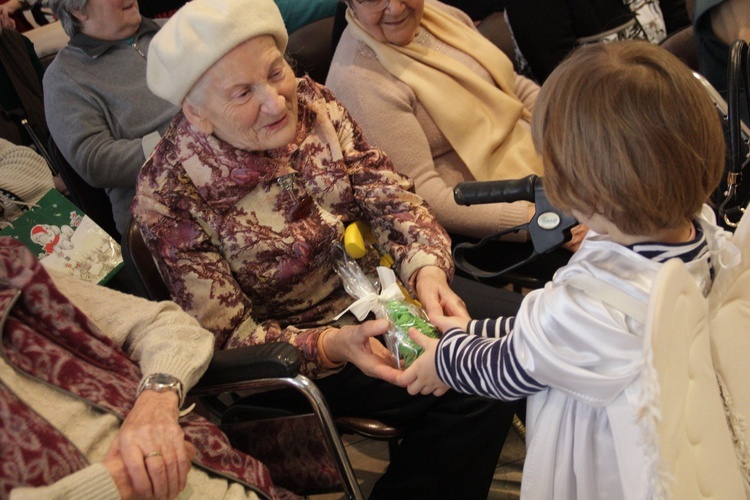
(426, 39)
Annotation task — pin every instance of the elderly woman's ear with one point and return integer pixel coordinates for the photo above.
(196, 117)
(81, 15)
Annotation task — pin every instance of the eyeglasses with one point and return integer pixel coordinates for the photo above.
(373, 5)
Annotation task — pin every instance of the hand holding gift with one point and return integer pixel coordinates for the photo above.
(390, 303)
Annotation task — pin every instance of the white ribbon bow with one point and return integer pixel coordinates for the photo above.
(389, 291)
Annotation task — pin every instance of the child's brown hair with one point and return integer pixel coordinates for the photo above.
(626, 131)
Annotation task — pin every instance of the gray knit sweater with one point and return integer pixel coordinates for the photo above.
(102, 115)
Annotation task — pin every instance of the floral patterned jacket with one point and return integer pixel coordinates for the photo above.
(244, 239)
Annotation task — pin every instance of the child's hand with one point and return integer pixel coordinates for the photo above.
(421, 377)
(445, 323)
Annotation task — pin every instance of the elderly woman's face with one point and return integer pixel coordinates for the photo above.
(396, 21)
(249, 98)
(109, 19)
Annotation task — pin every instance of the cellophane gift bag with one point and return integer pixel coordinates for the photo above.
(387, 299)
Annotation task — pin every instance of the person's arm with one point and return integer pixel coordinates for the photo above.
(160, 337)
(470, 363)
(474, 364)
(435, 294)
(403, 224)
(6, 9)
(201, 282)
(11, 6)
(165, 340)
(386, 110)
(526, 90)
(730, 20)
(91, 483)
(90, 146)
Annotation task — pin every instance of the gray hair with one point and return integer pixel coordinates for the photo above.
(63, 10)
(196, 96)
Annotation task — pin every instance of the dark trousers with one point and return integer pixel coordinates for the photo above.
(452, 444)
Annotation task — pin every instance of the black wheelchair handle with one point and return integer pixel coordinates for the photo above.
(506, 191)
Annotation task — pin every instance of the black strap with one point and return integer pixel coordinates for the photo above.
(462, 262)
(738, 78)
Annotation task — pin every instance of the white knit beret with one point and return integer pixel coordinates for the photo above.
(202, 32)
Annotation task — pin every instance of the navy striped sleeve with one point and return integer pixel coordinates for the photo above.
(494, 328)
(484, 366)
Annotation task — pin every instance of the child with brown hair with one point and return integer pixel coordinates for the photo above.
(632, 146)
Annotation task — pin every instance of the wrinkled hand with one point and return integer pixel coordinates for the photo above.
(60, 185)
(6, 10)
(357, 344)
(436, 295)
(578, 233)
(151, 426)
(421, 377)
(5, 20)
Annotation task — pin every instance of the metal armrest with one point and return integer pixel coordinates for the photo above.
(267, 367)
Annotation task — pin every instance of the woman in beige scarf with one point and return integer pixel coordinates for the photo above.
(442, 101)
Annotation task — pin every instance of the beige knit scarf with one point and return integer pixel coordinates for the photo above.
(482, 121)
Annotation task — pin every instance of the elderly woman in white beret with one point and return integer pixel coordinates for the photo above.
(241, 204)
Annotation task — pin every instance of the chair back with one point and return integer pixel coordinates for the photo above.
(23, 95)
(311, 48)
(94, 202)
(681, 44)
(496, 29)
(141, 265)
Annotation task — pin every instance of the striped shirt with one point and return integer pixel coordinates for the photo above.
(484, 362)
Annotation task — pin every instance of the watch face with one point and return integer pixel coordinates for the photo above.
(161, 378)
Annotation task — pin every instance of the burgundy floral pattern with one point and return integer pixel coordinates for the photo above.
(243, 239)
(32, 452)
(45, 336)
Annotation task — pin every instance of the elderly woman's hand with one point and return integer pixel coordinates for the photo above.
(357, 344)
(150, 457)
(577, 234)
(436, 295)
(6, 10)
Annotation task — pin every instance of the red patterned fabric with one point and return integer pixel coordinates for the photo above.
(32, 452)
(47, 337)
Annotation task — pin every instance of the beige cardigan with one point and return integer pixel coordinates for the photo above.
(159, 335)
(394, 120)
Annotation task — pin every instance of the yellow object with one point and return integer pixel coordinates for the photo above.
(386, 260)
(354, 241)
(409, 298)
(355, 236)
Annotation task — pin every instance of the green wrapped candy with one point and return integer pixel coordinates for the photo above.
(404, 317)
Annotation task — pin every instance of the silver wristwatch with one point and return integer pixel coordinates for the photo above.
(161, 382)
